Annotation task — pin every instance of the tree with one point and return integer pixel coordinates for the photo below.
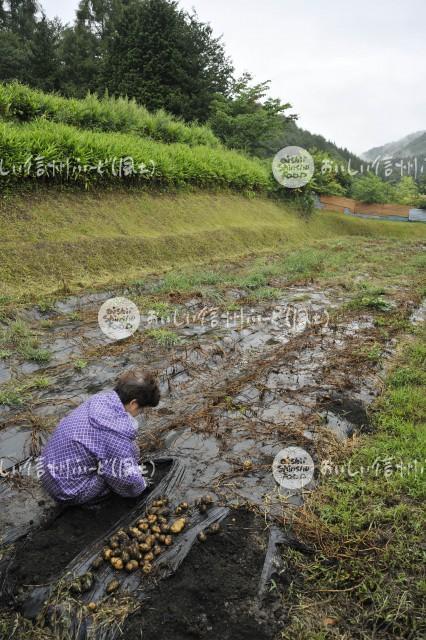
(79, 59)
(370, 188)
(100, 16)
(406, 191)
(21, 17)
(244, 120)
(3, 16)
(43, 59)
(166, 58)
(17, 24)
(330, 176)
(13, 57)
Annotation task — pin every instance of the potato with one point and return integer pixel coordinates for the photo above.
(165, 528)
(150, 540)
(134, 532)
(86, 581)
(117, 563)
(155, 529)
(122, 536)
(143, 526)
(144, 548)
(97, 563)
(132, 565)
(178, 525)
(156, 550)
(248, 464)
(92, 606)
(153, 510)
(125, 556)
(112, 586)
(202, 536)
(152, 518)
(168, 540)
(162, 537)
(147, 567)
(148, 557)
(106, 553)
(134, 552)
(214, 528)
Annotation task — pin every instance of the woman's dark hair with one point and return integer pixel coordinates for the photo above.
(140, 386)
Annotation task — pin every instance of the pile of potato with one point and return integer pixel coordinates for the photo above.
(138, 545)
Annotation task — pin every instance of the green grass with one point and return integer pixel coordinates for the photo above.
(16, 393)
(17, 337)
(20, 103)
(265, 293)
(370, 302)
(80, 364)
(164, 337)
(56, 241)
(368, 526)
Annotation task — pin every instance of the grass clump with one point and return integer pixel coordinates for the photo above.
(80, 364)
(182, 282)
(164, 337)
(373, 302)
(16, 393)
(265, 293)
(17, 337)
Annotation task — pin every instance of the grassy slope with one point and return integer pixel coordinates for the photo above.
(97, 238)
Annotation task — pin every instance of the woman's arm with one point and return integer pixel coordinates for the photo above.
(120, 468)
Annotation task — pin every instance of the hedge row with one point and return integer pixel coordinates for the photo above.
(20, 103)
(53, 153)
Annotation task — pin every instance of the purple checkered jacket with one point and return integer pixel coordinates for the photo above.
(93, 451)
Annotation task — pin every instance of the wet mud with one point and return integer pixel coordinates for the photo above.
(233, 395)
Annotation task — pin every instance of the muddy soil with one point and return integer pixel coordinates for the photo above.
(214, 593)
(232, 397)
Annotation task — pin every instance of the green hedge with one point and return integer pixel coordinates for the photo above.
(174, 165)
(20, 103)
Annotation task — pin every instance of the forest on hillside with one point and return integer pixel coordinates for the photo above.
(157, 53)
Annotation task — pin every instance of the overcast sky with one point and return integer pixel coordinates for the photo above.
(353, 71)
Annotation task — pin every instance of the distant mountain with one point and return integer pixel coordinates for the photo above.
(408, 147)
